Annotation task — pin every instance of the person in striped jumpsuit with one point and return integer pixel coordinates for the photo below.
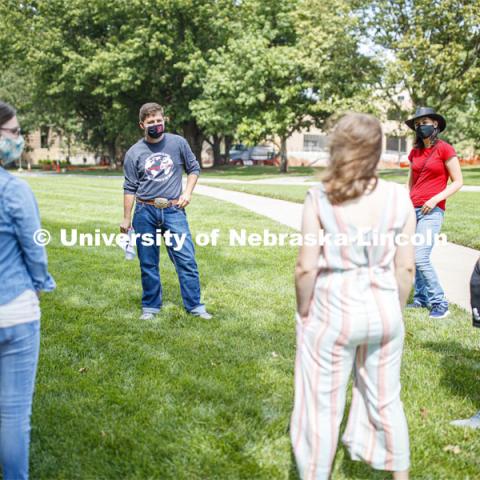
(350, 294)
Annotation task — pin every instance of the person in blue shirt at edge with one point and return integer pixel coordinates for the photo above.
(23, 274)
(153, 169)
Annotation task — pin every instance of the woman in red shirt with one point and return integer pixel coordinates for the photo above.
(432, 163)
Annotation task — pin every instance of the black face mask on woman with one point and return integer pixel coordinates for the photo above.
(425, 131)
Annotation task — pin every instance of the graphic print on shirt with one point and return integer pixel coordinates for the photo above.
(159, 167)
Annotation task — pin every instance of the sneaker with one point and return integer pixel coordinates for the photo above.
(147, 316)
(439, 311)
(472, 422)
(205, 315)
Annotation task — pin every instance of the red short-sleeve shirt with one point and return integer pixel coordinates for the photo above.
(432, 178)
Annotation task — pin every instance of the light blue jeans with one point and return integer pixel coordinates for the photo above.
(19, 346)
(428, 291)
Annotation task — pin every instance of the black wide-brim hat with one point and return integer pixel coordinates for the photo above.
(427, 112)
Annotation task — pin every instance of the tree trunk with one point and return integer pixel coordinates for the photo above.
(194, 137)
(228, 141)
(69, 147)
(283, 155)
(217, 157)
(112, 152)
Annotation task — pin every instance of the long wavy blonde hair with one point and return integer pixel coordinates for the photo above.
(355, 149)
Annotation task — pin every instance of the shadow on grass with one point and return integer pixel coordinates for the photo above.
(461, 369)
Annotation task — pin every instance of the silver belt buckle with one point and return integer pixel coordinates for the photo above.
(160, 202)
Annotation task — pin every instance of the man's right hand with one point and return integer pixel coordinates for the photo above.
(125, 225)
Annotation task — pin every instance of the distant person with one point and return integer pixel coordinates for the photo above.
(473, 422)
(349, 309)
(432, 163)
(23, 274)
(153, 170)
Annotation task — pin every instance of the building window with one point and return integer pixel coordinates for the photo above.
(44, 131)
(396, 144)
(314, 143)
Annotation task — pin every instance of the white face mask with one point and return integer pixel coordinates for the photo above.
(11, 149)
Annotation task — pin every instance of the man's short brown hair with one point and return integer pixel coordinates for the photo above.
(148, 108)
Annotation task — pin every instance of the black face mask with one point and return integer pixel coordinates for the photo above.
(155, 131)
(425, 131)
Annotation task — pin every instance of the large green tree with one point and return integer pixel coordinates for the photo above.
(100, 60)
(254, 69)
(291, 65)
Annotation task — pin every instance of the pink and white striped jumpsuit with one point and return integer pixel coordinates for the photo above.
(355, 322)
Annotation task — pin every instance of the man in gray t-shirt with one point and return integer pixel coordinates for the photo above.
(153, 169)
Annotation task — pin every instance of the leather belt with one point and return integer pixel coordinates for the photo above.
(159, 202)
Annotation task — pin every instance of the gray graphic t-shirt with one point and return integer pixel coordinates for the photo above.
(155, 169)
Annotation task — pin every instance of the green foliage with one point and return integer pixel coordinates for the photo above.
(289, 67)
(430, 48)
(253, 69)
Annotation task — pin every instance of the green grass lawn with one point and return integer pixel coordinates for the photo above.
(183, 398)
(462, 216)
(256, 172)
(471, 175)
(232, 172)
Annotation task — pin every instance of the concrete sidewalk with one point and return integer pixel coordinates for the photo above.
(453, 263)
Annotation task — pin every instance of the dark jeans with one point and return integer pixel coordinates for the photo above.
(150, 220)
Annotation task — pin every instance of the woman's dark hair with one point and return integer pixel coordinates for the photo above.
(7, 112)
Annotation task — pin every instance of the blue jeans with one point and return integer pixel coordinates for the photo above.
(428, 290)
(19, 346)
(149, 219)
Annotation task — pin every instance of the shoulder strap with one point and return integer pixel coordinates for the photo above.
(434, 149)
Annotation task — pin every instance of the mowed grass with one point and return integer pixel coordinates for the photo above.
(257, 172)
(462, 215)
(471, 175)
(245, 173)
(183, 398)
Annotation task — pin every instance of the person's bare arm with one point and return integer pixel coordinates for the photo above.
(306, 268)
(405, 259)
(455, 172)
(186, 196)
(128, 201)
(410, 179)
